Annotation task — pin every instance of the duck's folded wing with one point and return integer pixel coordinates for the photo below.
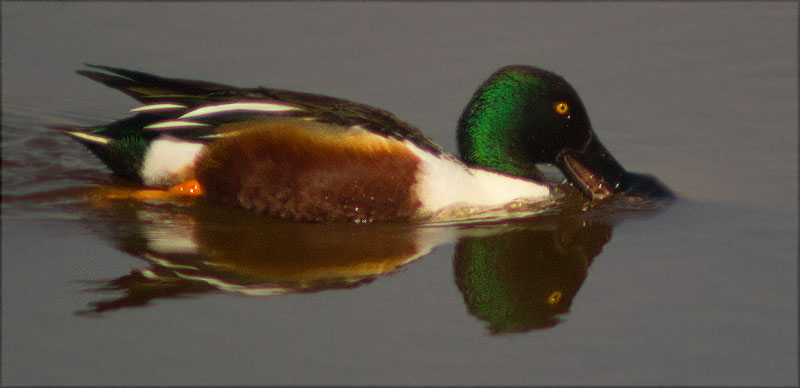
(191, 108)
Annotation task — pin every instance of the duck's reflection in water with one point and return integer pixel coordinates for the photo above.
(202, 248)
(522, 279)
(517, 276)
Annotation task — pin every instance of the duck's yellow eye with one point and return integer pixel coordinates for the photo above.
(561, 108)
(554, 298)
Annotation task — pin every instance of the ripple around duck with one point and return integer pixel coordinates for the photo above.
(42, 172)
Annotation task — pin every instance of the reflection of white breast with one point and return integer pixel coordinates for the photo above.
(168, 235)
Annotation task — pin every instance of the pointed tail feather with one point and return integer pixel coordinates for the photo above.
(123, 155)
(84, 135)
(151, 88)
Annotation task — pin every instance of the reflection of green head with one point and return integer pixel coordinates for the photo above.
(521, 280)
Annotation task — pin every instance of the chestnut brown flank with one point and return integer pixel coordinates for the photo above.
(309, 171)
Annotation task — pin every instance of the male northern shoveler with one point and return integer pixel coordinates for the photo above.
(316, 158)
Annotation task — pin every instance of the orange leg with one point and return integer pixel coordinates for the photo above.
(190, 188)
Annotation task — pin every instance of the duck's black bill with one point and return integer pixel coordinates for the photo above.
(598, 175)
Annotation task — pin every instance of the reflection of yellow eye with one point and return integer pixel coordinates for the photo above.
(561, 108)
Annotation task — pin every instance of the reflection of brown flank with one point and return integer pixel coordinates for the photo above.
(250, 251)
(309, 171)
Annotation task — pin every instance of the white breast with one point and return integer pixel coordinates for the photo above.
(445, 182)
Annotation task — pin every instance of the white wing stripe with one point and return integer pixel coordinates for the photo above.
(92, 138)
(157, 107)
(174, 124)
(240, 106)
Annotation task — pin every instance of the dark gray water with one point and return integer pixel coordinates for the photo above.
(704, 96)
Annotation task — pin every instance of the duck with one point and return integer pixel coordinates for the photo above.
(310, 157)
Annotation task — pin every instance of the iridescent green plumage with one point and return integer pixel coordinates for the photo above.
(510, 123)
(493, 122)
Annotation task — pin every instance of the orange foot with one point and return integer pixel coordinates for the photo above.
(190, 188)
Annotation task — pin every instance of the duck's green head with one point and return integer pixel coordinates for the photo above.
(523, 115)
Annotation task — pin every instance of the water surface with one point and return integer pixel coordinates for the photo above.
(704, 96)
